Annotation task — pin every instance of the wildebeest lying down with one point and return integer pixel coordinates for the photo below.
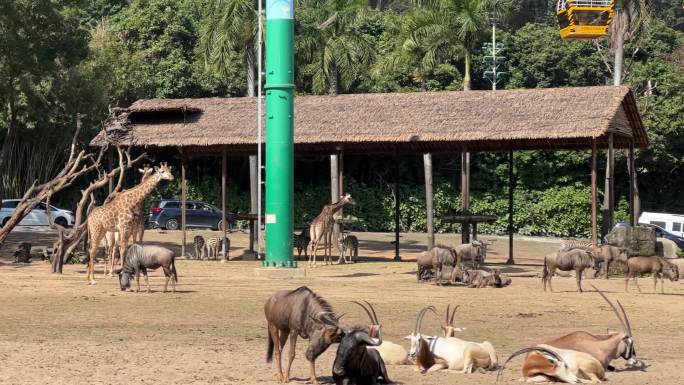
(356, 365)
(140, 258)
(300, 312)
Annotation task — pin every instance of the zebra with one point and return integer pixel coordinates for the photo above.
(301, 242)
(198, 242)
(212, 247)
(569, 244)
(349, 242)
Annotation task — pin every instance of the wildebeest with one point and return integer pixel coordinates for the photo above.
(140, 258)
(300, 312)
(443, 256)
(23, 253)
(575, 259)
(606, 255)
(658, 266)
(482, 278)
(427, 259)
(473, 252)
(356, 365)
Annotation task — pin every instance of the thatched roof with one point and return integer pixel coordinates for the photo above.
(402, 122)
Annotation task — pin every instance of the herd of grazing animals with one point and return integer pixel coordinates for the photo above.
(363, 354)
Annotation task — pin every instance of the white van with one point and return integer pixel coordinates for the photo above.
(673, 223)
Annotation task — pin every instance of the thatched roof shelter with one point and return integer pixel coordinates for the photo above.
(399, 122)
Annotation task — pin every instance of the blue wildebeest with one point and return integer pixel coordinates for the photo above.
(300, 313)
(356, 365)
(140, 258)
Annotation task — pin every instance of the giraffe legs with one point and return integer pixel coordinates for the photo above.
(95, 238)
(124, 234)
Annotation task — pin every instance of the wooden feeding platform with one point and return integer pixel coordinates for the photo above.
(467, 221)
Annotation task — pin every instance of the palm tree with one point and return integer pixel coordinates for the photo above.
(454, 22)
(231, 25)
(330, 45)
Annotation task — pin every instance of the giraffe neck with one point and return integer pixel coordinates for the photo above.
(335, 207)
(145, 188)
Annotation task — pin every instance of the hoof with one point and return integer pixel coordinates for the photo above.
(92, 282)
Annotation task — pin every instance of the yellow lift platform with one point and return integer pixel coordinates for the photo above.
(584, 19)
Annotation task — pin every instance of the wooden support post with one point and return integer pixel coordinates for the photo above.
(427, 164)
(632, 184)
(465, 194)
(397, 202)
(511, 186)
(224, 224)
(609, 189)
(340, 179)
(253, 186)
(594, 195)
(335, 193)
(184, 189)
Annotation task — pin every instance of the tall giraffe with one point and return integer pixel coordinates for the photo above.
(321, 228)
(137, 230)
(119, 215)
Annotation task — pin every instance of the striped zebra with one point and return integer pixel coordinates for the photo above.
(569, 244)
(212, 246)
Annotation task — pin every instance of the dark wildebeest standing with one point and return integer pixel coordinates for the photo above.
(658, 266)
(355, 364)
(140, 258)
(575, 259)
(443, 256)
(300, 312)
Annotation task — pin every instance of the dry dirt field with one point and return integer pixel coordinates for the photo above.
(56, 329)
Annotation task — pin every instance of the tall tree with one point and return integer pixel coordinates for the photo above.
(41, 42)
(331, 46)
(231, 25)
(450, 23)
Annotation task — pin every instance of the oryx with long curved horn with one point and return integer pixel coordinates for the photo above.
(448, 329)
(432, 353)
(545, 362)
(391, 353)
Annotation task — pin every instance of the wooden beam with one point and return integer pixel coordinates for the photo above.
(611, 182)
(397, 203)
(184, 189)
(632, 183)
(465, 194)
(511, 186)
(253, 186)
(427, 165)
(334, 192)
(594, 195)
(340, 179)
(224, 225)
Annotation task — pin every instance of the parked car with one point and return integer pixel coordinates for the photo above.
(37, 216)
(659, 232)
(166, 214)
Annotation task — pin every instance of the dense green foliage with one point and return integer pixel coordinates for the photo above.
(62, 57)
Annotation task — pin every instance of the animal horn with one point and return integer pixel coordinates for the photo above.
(617, 314)
(366, 309)
(451, 320)
(421, 314)
(365, 337)
(529, 350)
(375, 316)
(624, 315)
(446, 321)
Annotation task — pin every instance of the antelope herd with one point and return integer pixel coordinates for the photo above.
(363, 354)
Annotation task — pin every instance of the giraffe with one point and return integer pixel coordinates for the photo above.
(321, 228)
(137, 231)
(119, 214)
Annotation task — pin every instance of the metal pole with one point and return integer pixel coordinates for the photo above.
(397, 202)
(494, 56)
(465, 194)
(260, 74)
(224, 226)
(594, 194)
(279, 132)
(511, 186)
(184, 189)
(427, 164)
(611, 182)
(335, 192)
(253, 207)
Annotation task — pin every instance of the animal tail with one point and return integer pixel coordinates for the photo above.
(545, 271)
(271, 346)
(173, 269)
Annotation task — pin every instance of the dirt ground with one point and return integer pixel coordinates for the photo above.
(56, 329)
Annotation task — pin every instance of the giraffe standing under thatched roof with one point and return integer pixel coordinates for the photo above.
(321, 229)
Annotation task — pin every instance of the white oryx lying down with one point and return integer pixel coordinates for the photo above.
(432, 353)
(548, 363)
